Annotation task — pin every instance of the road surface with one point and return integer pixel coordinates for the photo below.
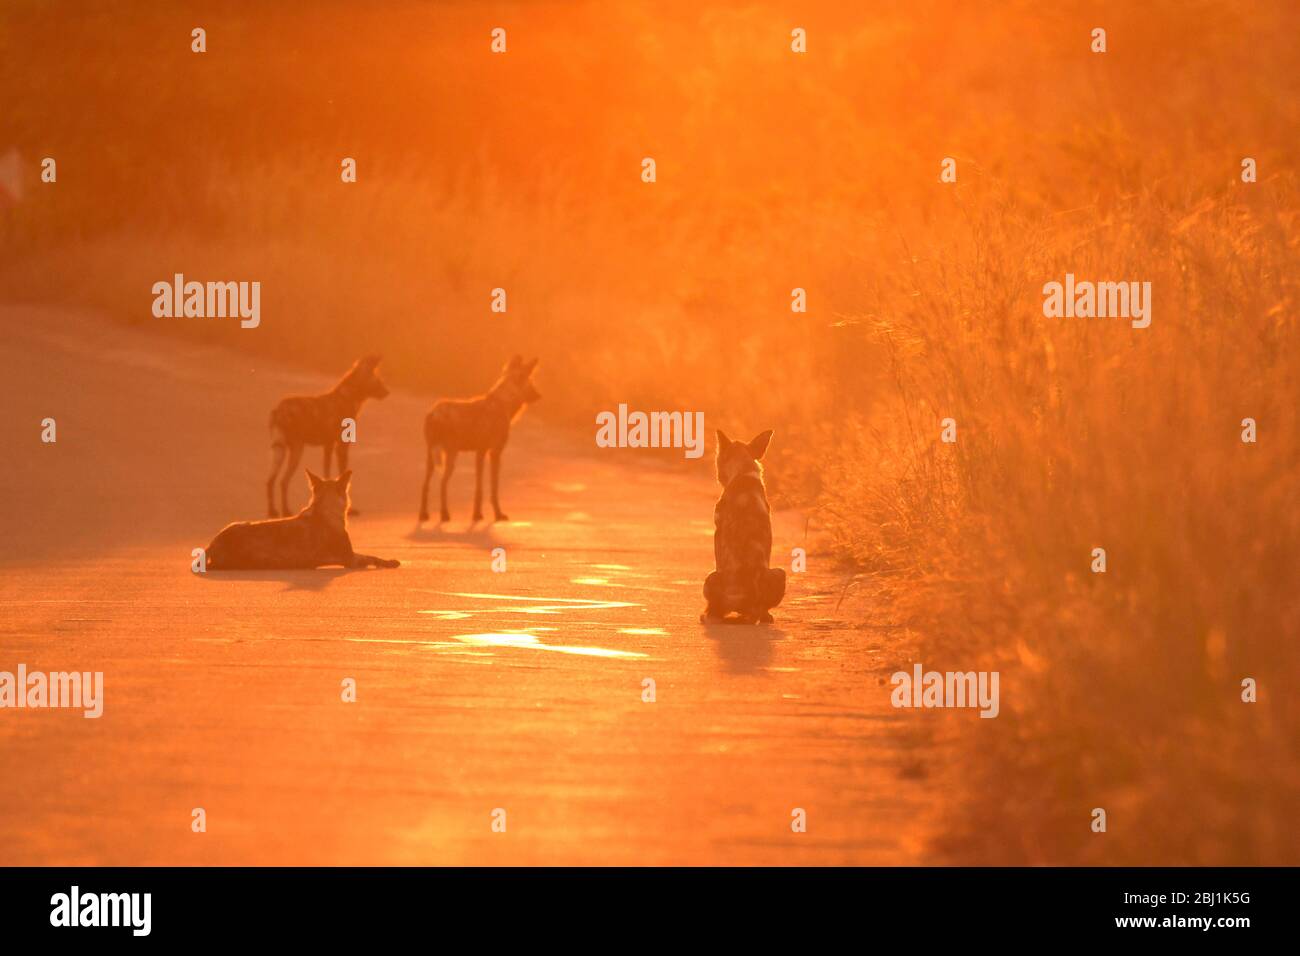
(476, 690)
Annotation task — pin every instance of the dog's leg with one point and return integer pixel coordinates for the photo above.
(428, 473)
(295, 456)
(448, 466)
(478, 484)
(370, 561)
(714, 597)
(343, 466)
(277, 459)
(771, 589)
(495, 454)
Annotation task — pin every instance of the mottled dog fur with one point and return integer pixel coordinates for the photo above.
(315, 537)
(742, 582)
(480, 425)
(301, 420)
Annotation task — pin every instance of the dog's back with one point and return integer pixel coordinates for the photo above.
(482, 423)
(742, 538)
(466, 424)
(302, 541)
(309, 419)
(317, 419)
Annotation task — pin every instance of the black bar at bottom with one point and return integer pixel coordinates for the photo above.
(299, 905)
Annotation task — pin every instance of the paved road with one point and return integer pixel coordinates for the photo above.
(476, 690)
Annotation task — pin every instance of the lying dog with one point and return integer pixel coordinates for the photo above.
(315, 537)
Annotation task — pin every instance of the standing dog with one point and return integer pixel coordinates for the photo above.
(301, 420)
(315, 537)
(480, 425)
(742, 537)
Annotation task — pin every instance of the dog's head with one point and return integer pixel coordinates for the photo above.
(330, 497)
(363, 378)
(738, 458)
(516, 383)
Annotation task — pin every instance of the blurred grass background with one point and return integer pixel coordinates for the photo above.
(778, 171)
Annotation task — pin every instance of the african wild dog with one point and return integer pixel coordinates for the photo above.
(318, 420)
(480, 425)
(315, 537)
(742, 537)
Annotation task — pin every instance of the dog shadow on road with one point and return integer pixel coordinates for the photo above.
(479, 533)
(744, 648)
(295, 580)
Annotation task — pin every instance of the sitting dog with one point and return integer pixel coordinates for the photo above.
(315, 537)
(742, 539)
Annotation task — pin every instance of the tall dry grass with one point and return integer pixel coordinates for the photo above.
(1119, 690)
(775, 171)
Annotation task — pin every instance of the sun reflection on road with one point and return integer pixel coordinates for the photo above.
(524, 638)
(533, 643)
(522, 605)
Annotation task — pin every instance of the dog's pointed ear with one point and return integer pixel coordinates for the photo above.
(758, 444)
(515, 361)
(346, 477)
(372, 361)
(313, 479)
(532, 365)
(723, 441)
